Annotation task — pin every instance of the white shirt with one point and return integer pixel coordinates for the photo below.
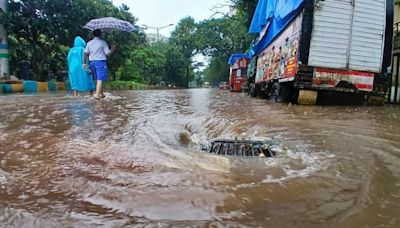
(97, 49)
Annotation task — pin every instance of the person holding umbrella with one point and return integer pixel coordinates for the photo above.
(96, 52)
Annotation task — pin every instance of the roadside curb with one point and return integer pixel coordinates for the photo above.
(31, 87)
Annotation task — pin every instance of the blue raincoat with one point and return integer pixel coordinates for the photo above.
(79, 79)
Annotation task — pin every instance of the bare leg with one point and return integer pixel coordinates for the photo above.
(99, 89)
(102, 92)
(74, 93)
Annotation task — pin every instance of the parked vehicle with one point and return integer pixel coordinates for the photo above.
(309, 50)
(223, 85)
(206, 85)
(238, 71)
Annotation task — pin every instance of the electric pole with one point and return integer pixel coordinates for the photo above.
(4, 54)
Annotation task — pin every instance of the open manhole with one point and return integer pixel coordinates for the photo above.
(244, 148)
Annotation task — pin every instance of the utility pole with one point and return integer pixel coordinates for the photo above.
(4, 54)
(158, 40)
(158, 50)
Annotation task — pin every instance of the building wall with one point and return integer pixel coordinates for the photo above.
(152, 38)
(396, 50)
(4, 54)
(396, 46)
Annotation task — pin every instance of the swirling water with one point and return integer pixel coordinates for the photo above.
(135, 160)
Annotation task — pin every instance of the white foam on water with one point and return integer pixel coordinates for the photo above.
(58, 112)
(298, 163)
(3, 175)
(108, 96)
(200, 140)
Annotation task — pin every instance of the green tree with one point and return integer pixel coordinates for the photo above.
(217, 71)
(220, 38)
(41, 31)
(175, 66)
(245, 9)
(184, 38)
(126, 42)
(144, 65)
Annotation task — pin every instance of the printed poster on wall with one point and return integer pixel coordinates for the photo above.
(279, 59)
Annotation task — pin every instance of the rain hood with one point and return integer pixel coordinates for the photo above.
(79, 42)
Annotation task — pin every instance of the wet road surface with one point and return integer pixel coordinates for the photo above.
(135, 160)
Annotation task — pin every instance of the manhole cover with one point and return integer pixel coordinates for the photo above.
(243, 148)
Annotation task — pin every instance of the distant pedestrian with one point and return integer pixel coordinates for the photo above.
(79, 79)
(96, 52)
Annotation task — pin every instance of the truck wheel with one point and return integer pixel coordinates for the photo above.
(295, 96)
(275, 92)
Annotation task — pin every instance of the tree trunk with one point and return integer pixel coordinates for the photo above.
(187, 76)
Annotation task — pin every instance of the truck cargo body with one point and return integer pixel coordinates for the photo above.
(341, 46)
(237, 76)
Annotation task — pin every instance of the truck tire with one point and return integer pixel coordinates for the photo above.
(275, 92)
(264, 91)
(295, 96)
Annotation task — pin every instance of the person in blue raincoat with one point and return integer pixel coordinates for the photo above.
(79, 79)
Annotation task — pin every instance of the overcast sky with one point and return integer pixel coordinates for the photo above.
(159, 13)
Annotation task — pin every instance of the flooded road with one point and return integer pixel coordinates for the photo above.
(135, 160)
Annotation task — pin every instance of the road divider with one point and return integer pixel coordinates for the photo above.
(31, 86)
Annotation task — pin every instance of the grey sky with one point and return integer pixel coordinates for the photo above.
(163, 12)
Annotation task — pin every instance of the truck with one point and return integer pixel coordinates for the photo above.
(238, 71)
(313, 51)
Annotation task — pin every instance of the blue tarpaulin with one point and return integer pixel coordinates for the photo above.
(236, 56)
(276, 14)
(264, 12)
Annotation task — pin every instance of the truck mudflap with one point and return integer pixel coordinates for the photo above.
(243, 148)
(307, 97)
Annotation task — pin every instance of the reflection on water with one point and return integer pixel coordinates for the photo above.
(80, 112)
(136, 160)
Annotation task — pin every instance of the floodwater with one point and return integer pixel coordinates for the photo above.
(134, 160)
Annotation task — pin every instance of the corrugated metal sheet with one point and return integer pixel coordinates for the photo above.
(366, 49)
(348, 34)
(331, 34)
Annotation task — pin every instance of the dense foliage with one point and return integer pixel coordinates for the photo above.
(41, 31)
(220, 38)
